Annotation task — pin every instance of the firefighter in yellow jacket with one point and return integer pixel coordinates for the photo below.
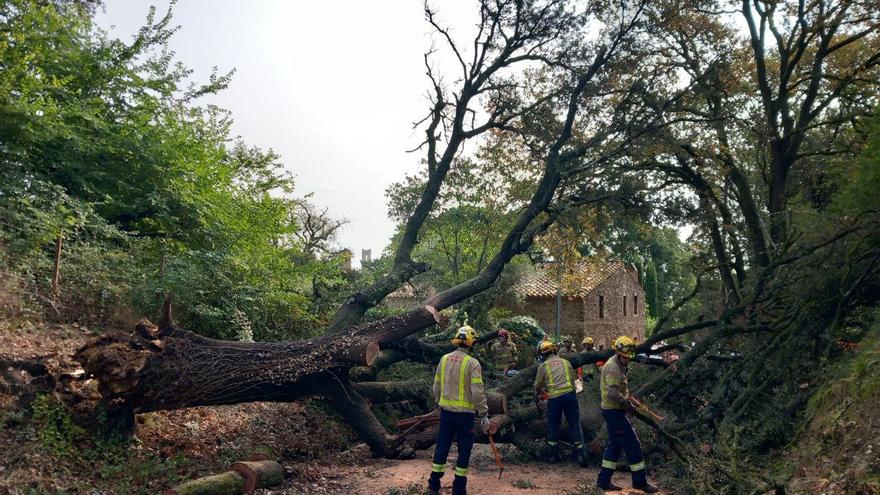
(458, 390)
(555, 378)
(616, 403)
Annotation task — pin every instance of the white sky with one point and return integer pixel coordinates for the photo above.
(332, 86)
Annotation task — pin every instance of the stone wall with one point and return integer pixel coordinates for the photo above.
(580, 316)
(614, 321)
(543, 309)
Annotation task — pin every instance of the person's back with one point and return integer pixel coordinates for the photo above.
(458, 390)
(458, 384)
(558, 376)
(555, 378)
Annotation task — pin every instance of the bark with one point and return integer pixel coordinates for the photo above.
(171, 368)
(228, 483)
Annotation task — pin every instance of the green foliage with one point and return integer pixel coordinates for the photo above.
(525, 328)
(860, 181)
(103, 144)
(407, 370)
(55, 428)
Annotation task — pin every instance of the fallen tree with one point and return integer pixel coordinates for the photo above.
(166, 367)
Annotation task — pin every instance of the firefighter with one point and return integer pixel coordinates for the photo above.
(555, 379)
(503, 352)
(458, 390)
(588, 371)
(567, 351)
(587, 344)
(621, 435)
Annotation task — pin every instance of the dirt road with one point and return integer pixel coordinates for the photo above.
(410, 477)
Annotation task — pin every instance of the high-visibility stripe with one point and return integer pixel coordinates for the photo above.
(477, 379)
(461, 370)
(438, 468)
(552, 390)
(552, 444)
(460, 471)
(578, 445)
(609, 464)
(461, 402)
(637, 466)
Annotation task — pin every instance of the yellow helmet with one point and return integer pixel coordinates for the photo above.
(465, 336)
(587, 340)
(547, 347)
(625, 346)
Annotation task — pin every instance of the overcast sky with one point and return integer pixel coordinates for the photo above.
(332, 86)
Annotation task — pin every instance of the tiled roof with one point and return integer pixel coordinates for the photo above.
(578, 282)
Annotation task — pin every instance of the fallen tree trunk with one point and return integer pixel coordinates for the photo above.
(171, 368)
(228, 483)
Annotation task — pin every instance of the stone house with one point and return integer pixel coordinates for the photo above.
(600, 299)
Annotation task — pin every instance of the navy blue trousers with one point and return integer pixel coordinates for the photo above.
(459, 426)
(564, 404)
(621, 436)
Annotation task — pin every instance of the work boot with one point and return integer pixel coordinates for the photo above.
(434, 483)
(647, 488)
(609, 487)
(552, 455)
(459, 485)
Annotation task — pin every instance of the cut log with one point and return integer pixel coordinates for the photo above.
(497, 402)
(228, 483)
(386, 358)
(258, 474)
(362, 352)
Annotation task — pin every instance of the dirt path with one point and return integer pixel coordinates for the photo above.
(410, 477)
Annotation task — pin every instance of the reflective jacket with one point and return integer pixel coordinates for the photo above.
(556, 376)
(503, 354)
(613, 384)
(458, 384)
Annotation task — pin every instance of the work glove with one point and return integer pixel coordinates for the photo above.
(484, 423)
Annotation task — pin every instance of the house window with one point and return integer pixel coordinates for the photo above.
(624, 305)
(635, 304)
(601, 306)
